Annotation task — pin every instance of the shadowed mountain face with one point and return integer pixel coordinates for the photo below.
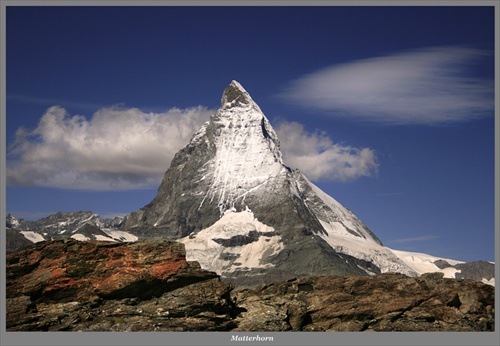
(240, 211)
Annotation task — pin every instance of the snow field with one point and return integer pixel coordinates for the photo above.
(207, 252)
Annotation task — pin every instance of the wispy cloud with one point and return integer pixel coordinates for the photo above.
(318, 157)
(415, 239)
(117, 148)
(425, 86)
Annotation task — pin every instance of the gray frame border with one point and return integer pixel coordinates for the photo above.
(224, 338)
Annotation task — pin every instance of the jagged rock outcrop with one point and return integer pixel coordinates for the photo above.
(149, 286)
(386, 302)
(476, 270)
(68, 270)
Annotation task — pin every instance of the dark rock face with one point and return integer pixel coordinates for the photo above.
(441, 264)
(149, 286)
(476, 270)
(386, 302)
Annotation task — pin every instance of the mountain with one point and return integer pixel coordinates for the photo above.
(241, 212)
(422, 263)
(80, 225)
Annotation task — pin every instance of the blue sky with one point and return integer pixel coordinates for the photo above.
(390, 110)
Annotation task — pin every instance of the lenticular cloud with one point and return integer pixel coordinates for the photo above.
(116, 149)
(426, 86)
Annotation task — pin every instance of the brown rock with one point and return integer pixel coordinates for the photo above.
(386, 302)
(149, 286)
(67, 270)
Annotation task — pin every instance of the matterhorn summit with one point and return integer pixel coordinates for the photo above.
(241, 212)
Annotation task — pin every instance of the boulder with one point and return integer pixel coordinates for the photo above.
(69, 270)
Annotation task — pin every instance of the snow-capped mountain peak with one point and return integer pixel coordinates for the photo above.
(247, 150)
(12, 221)
(233, 168)
(236, 96)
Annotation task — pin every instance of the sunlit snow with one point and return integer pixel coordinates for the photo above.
(32, 236)
(489, 282)
(79, 237)
(246, 158)
(202, 248)
(103, 238)
(120, 235)
(423, 263)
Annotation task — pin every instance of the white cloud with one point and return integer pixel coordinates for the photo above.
(319, 158)
(116, 149)
(425, 86)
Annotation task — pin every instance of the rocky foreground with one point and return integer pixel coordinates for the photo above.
(67, 285)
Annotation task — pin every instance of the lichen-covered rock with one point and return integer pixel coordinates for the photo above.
(149, 286)
(70, 270)
(386, 302)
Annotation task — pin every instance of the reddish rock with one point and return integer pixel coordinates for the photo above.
(149, 286)
(68, 270)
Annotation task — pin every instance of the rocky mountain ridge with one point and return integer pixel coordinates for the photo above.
(62, 222)
(82, 225)
(70, 285)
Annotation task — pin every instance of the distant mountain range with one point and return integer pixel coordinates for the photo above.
(81, 225)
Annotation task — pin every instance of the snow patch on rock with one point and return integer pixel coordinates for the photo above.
(204, 247)
(79, 237)
(121, 236)
(489, 282)
(32, 236)
(346, 243)
(424, 263)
